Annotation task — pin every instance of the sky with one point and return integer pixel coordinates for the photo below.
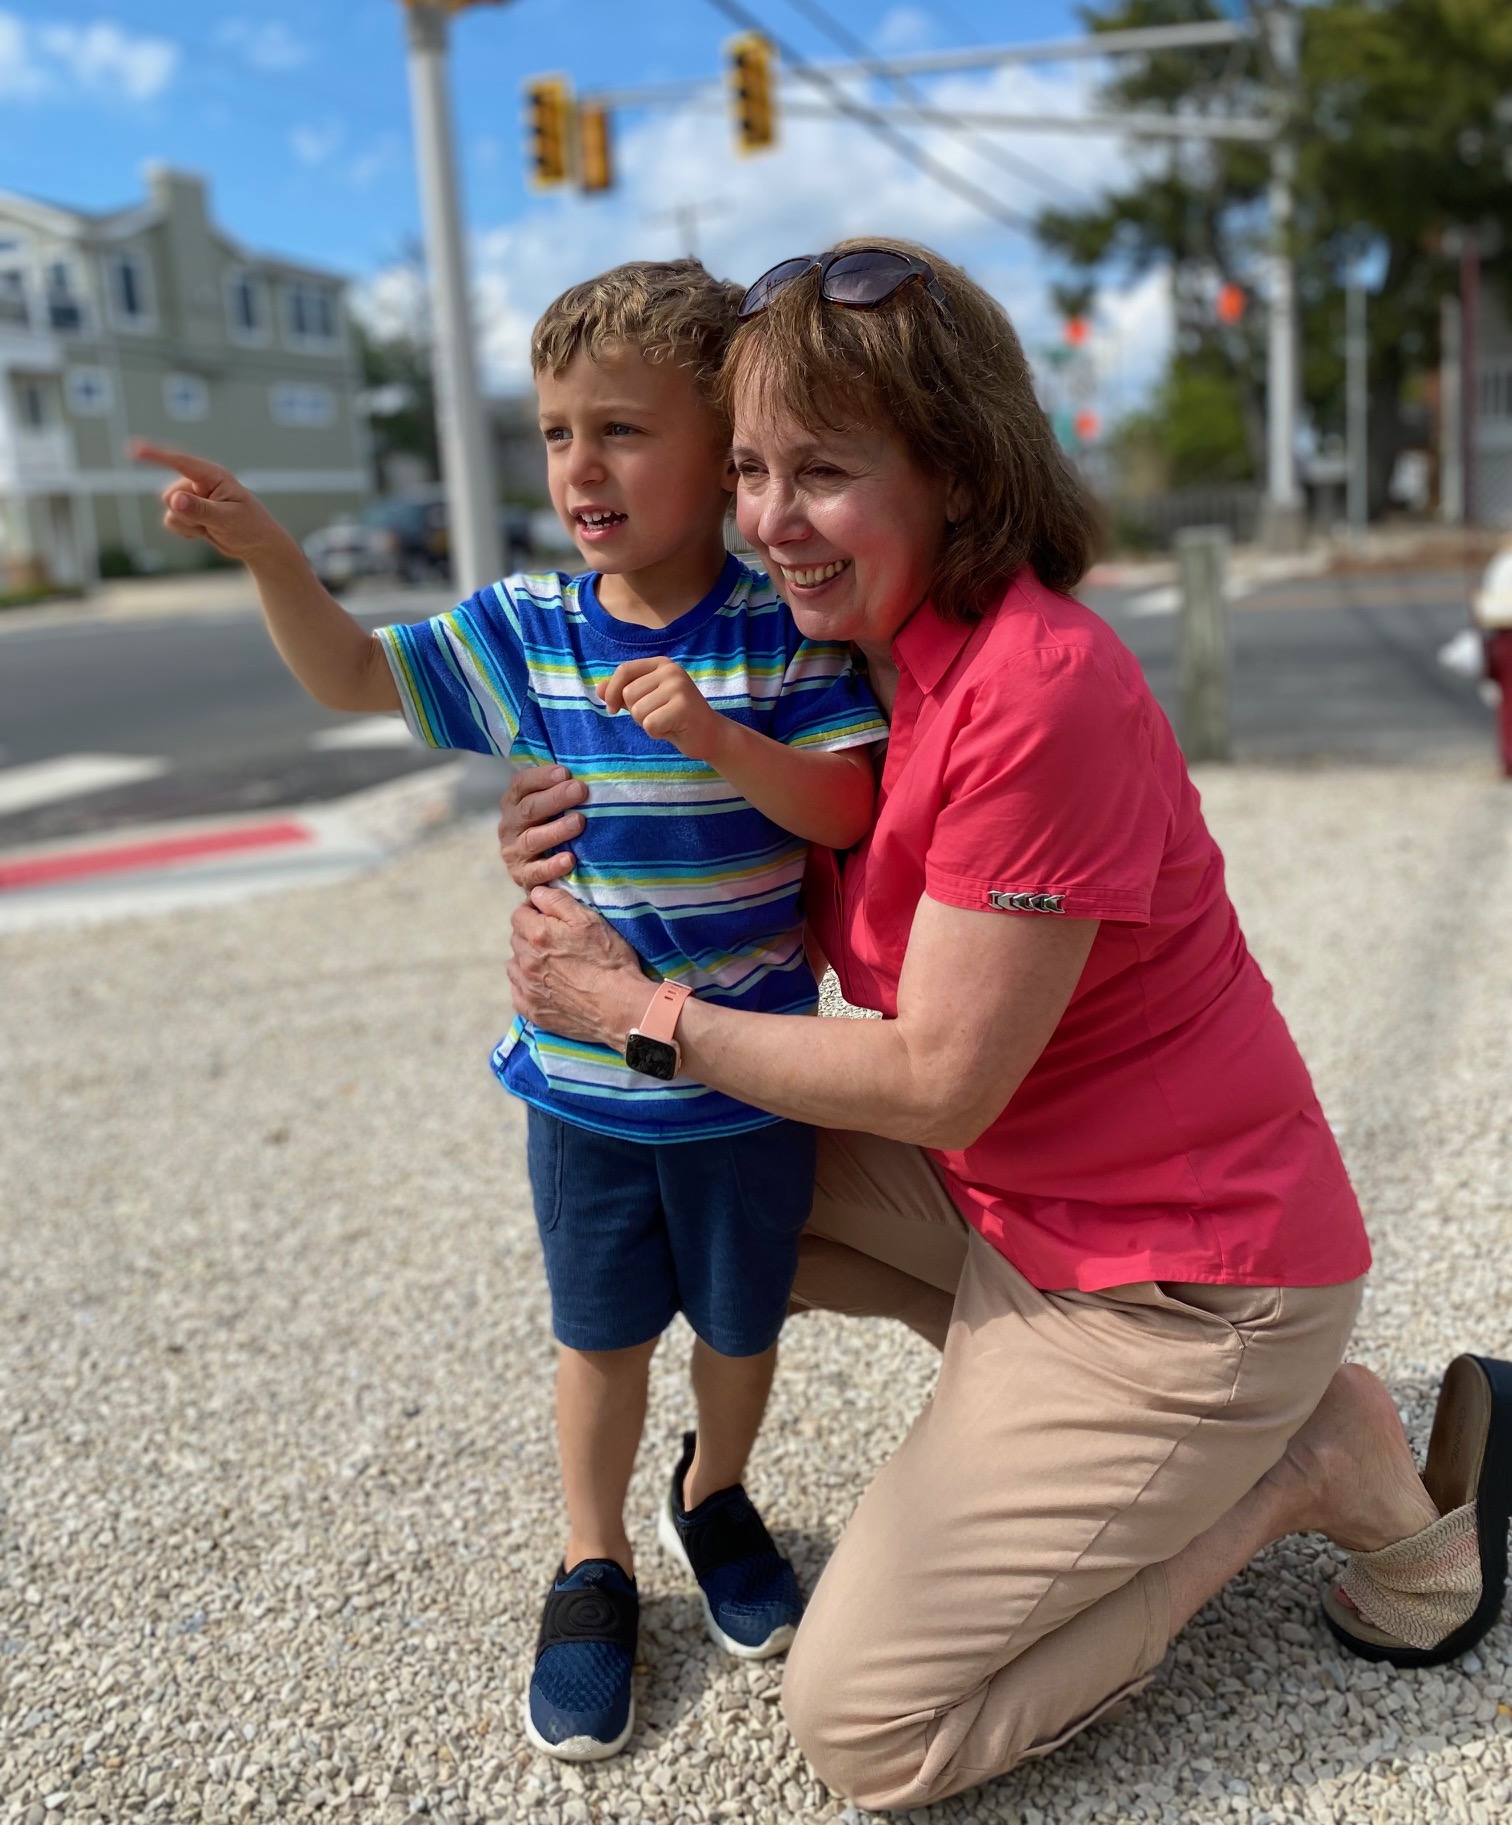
(297, 113)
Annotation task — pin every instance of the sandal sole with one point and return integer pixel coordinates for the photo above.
(1493, 1512)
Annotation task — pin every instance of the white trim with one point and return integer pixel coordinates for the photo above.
(73, 263)
(260, 481)
(146, 322)
(262, 292)
(184, 413)
(288, 414)
(306, 344)
(76, 373)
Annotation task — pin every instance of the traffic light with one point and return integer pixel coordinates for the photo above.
(595, 149)
(751, 59)
(548, 127)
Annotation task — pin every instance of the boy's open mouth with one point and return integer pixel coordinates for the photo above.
(598, 519)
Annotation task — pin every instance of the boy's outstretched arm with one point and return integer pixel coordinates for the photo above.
(336, 660)
(822, 797)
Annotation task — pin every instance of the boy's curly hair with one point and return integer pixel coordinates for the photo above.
(670, 310)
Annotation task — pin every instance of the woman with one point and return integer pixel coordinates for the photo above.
(1080, 1151)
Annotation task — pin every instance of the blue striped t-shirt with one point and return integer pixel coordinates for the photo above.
(701, 885)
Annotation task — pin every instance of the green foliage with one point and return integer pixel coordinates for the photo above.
(1403, 128)
(1195, 426)
(117, 561)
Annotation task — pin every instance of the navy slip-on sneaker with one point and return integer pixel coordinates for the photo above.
(750, 1593)
(580, 1707)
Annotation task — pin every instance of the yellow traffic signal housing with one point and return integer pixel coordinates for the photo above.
(548, 129)
(751, 91)
(595, 148)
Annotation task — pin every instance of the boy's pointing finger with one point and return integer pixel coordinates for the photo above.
(193, 468)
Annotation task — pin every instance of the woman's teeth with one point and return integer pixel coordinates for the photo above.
(818, 573)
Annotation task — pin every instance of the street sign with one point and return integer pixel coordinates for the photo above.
(751, 92)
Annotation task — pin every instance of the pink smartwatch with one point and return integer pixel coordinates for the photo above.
(650, 1047)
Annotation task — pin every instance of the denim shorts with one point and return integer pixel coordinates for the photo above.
(634, 1232)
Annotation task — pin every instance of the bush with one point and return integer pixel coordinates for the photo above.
(117, 561)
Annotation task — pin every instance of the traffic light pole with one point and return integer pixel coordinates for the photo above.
(466, 461)
(1283, 520)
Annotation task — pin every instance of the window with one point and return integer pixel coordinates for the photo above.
(12, 284)
(186, 398)
(1496, 391)
(297, 403)
(89, 392)
(64, 310)
(309, 313)
(129, 280)
(246, 306)
(32, 404)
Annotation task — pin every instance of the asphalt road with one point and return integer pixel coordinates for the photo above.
(1336, 668)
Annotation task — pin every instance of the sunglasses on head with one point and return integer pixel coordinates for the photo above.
(860, 278)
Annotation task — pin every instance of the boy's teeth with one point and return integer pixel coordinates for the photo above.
(819, 573)
(599, 519)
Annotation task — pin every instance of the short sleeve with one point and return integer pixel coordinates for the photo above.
(460, 676)
(824, 702)
(1052, 799)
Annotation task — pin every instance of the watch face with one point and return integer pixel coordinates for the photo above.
(651, 1057)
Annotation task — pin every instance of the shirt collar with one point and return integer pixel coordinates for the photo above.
(927, 645)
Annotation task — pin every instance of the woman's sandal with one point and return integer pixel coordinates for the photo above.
(1429, 1598)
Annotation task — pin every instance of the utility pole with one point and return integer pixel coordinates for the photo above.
(1357, 405)
(466, 461)
(1283, 496)
(1451, 390)
(1469, 352)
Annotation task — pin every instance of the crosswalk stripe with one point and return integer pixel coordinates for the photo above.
(365, 732)
(71, 776)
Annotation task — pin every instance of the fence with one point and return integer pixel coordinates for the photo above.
(1152, 522)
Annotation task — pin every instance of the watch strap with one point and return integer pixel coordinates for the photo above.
(660, 1019)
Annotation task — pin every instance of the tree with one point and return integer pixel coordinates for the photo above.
(391, 319)
(1403, 124)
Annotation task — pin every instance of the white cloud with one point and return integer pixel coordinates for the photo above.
(313, 145)
(826, 179)
(265, 45)
(384, 155)
(20, 73)
(104, 59)
(904, 28)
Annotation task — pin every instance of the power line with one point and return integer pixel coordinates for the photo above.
(910, 93)
(876, 125)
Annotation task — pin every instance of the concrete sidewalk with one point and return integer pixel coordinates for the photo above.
(280, 1497)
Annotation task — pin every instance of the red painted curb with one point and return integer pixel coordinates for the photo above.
(121, 858)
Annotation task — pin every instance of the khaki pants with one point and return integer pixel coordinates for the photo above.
(1002, 1582)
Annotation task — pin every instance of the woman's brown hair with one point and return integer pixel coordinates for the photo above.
(962, 397)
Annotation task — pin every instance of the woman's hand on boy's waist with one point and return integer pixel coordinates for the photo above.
(537, 814)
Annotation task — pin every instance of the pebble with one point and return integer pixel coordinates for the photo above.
(297, 1394)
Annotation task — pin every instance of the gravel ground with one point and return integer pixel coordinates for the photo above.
(278, 1489)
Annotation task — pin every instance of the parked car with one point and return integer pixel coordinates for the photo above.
(405, 536)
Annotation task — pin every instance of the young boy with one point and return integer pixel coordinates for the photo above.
(715, 744)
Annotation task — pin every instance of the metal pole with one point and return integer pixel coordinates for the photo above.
(1283, 500)
(1202, 555)
(1451, 391)
(466, 464)
(1357, 368)
(1470, 258)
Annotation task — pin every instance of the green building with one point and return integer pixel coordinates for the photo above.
(152, 322)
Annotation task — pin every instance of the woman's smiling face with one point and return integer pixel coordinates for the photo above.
(846, 522)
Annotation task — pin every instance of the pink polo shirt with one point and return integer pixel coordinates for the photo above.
(1169, 1130)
